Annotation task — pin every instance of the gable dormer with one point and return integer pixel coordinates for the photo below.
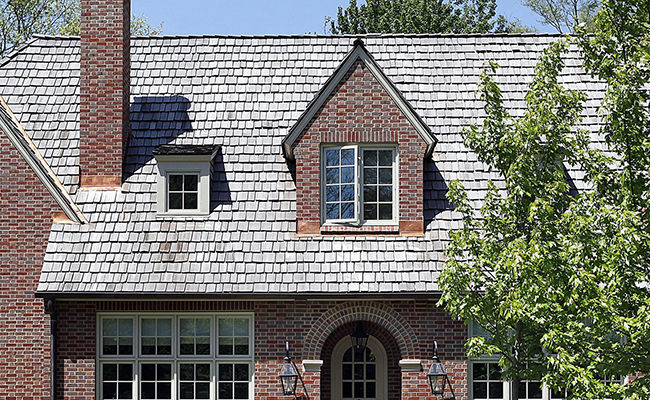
(359, 150)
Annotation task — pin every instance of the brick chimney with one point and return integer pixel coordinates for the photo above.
(105, 81)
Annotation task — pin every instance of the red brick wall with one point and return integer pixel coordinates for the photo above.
(275, 323)
(25, 220)
(359, 111)
(105, 80)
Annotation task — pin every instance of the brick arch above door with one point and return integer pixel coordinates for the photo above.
(348, 312)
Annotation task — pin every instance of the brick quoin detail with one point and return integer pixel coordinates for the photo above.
(25, 221)
(359, 110)
(104, 90)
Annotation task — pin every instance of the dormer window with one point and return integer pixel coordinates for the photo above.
(345, 146)
(184, 174)
(359, 184)
(183, 191)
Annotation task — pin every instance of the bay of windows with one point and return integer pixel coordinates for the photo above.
(174, 357)
(360, 184)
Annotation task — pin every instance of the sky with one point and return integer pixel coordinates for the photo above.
(257, 17)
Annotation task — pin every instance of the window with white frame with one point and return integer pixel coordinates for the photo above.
(175, 357)
(182, 191)
(486, 382)
(184, 175)
(360, 184)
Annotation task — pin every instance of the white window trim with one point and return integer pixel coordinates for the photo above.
(136, 359)
(185, 164)
(358, 185)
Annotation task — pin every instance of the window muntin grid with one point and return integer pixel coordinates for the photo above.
(183, 191)
(150, 372)
(233, 380)
(117, 380)
(359, 375)
(117, 336)
(341, 183)
(378, 184)
(359, 184)
(195, 336)
(234, 336)
(194, 381)
(156, 336)
(156, 381)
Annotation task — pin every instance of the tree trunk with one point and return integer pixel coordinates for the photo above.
(515, 387)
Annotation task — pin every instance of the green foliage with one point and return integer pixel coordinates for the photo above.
(610, 251)
(561, 279)
(422, 16)
(564, 15)
(494, 260)
(21, 19)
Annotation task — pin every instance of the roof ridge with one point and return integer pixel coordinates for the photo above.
(367, 35)
(325, 36)
(58, 37)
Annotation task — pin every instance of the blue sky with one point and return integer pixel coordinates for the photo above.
(253, 17)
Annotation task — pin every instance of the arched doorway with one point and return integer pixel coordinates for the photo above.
(358, 376)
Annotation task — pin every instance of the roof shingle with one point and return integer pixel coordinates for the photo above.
(243, 94)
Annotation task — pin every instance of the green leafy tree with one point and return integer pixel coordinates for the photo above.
(561, 279)
(604, 329)
(21, 19)
(422, 16)
(494, 260)
(564, 15)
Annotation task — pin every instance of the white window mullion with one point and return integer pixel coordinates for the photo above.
(158, 372)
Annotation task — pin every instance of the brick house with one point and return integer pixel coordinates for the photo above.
(175, 209)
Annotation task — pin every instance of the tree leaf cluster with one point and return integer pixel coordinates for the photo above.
(560, 278)
(21, 19)
(422, 16)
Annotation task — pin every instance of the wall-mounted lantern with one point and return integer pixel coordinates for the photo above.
(437, 375)
(289, 377)
(359, 339)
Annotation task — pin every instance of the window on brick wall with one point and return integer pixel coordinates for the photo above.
(175, 357)
(486, 382)
(359, 185)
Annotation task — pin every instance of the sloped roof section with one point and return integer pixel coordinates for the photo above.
(243, 94)
(358, 52)
(10, 126)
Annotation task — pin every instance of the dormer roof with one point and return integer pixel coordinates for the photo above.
(358, 52)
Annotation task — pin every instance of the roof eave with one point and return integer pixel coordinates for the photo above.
(138, 296)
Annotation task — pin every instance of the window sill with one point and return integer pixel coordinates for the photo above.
(366, 228)
(403, 228)
(197, 215)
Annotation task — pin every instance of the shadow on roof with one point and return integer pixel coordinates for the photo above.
(435, 193)
(160, 120)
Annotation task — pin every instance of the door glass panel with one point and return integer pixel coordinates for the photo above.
(359, 375)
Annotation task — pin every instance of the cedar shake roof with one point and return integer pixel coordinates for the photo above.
(244, 93)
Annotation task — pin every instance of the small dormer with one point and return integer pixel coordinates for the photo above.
(359, 150)
(184, 176)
